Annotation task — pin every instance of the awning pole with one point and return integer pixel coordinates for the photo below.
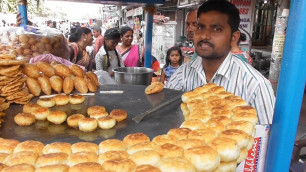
(148, 36)
(290, 91)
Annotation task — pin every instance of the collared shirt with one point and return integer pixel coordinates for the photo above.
(194, 56)
(235, 76)
(243, 55)
(169, 71)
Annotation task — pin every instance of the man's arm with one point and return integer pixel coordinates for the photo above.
(162, 76)
(176, 80)
(264, 100)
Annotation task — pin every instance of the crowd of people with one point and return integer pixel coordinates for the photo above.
(217, 58)
(212, 30)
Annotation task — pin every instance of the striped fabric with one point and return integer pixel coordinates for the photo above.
(235, 76)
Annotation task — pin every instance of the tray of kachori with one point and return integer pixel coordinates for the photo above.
(133, 100)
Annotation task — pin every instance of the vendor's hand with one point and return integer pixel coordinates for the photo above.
(19, 20)
(112, 74)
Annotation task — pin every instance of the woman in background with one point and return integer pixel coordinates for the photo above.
(79, 40)
(107, 57)
(130, 54)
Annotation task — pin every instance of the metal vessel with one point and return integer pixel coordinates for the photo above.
(133, 75)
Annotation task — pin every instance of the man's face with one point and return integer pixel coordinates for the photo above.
(191, 24)
(95, 33)
(213, 35)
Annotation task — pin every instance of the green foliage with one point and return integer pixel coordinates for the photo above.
(35, 7)
(8, 6)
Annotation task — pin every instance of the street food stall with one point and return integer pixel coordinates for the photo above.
(163, 111)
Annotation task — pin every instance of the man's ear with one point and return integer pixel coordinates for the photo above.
(84, 35)
(235, 38)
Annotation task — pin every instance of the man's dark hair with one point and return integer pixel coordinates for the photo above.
(54, 24)
(225, 7)
(241, 38)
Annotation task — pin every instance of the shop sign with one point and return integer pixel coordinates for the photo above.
(183, 2)
(245, 8)
(130, 13)
(138, 11)
(109, 8)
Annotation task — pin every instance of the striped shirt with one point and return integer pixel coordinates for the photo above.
(235, 76)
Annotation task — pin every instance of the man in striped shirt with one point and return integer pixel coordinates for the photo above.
(217, 30)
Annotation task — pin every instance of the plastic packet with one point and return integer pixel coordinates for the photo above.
(29, 42)
(104, 78)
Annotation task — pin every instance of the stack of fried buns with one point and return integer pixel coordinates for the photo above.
(45, 77)
(216, 136)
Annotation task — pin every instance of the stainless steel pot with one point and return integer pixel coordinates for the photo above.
(133, 75)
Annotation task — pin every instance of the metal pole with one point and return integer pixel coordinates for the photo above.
(290, 91)
(148, 36)
(23, 10)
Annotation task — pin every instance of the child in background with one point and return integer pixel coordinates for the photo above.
(107, 57)
(173, 61)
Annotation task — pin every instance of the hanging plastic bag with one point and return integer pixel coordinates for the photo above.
(29, 42)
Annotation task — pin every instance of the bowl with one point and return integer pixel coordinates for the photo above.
(133, 75)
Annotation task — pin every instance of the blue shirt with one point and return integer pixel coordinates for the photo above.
(169, 70)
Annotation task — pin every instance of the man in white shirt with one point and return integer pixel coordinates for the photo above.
(217, 31)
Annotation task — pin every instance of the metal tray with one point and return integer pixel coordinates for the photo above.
(133, 100)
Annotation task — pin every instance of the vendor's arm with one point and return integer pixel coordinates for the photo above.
(263, 100)
(176, 80)
(162, 76)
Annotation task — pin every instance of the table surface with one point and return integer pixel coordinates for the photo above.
(133, 100)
